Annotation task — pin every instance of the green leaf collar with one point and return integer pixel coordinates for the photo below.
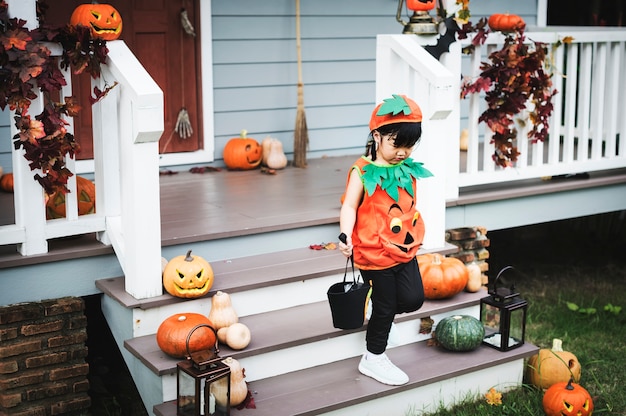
(392, 178)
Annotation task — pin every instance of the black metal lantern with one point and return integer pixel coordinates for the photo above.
(503, 314)
(203, 382)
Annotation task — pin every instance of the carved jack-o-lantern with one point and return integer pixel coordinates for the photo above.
(420, 5)
(104, 20)
(85, 196)
(242, 153)
(188, 276)
(563, 399)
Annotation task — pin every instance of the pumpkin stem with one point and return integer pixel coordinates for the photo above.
(557, 345)
(243, 134)
(437, 259)
(569, 384)
(188, 257)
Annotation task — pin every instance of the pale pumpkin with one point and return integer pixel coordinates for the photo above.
(474, 278)
(273, 155)
(238, 336)
(238, 386)
(222, 313)
(551, 366)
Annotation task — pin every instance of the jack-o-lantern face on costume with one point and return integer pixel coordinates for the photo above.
(104, 20)
(188, 276)
(401, 228)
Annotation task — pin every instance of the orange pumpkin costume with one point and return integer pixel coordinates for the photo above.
(389, 229)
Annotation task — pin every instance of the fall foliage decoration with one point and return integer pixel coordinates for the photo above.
(504, 22)
(442, 277)
(172, 334)
(85, 196)
(551, 366)
(27, 66)
(493, 397)
(518, 90)
(188, 276)
(242, 153)
(103, 20)
(567, 398)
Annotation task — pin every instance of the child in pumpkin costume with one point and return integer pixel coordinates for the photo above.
(383, 228)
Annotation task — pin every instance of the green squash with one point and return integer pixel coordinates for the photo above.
(460, 333)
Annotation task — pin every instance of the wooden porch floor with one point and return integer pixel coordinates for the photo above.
(217, 204)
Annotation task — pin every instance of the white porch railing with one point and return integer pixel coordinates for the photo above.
(127, 125)
(587, 125)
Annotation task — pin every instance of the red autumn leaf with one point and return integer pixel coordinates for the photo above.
(316, 246)
(17, 39)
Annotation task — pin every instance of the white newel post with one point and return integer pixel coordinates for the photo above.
(404, 67)
(141, 125)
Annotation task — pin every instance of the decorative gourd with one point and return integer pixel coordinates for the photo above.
(242, 153)
(85, 196)
(172, 334)
(504, 22)
(420, 5)
(188, 276)
(460, 333)
(273, 155)
(238, 386)
(474, 278)
(222, 313)
(442, 277)
(567, 398)
(6, 182)
(104, 20)
(238, 336)
(551, 366)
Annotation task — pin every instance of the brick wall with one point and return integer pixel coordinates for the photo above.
(472, 243)
(42, 358)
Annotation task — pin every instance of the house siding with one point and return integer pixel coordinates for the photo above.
(255, 71)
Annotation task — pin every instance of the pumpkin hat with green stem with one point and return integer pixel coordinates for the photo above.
(397, 109)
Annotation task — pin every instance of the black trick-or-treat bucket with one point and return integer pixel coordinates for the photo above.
(347, 301)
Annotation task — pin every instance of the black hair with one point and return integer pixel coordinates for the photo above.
(407, 135)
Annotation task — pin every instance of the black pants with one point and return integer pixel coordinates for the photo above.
(395, 290)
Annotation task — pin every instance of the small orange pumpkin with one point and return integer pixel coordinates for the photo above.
(551, 366)
(172, 334)
(242, 153)
(567, 398)
(420, 5)
(104, 20)
(85, 195)
(442, 277)
(504, 22)
(6, 182)
(188, 276)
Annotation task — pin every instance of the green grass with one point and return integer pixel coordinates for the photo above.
(580, 262)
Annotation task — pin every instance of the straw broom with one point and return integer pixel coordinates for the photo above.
(301, 134)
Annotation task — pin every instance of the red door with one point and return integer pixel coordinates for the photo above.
(154, 31)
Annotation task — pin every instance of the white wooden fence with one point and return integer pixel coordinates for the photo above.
(588, 122)
(127, 125)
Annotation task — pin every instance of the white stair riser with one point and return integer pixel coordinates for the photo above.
(250, 302)
(445, 393)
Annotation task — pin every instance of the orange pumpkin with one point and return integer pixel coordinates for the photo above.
(85, 195)
(188, 276)
(567, 398)
(6, 182)
(504, 22)
(442, 277)
(172, 334)
(551, 366)
(420, 5)
(242, 153)
(104, 20)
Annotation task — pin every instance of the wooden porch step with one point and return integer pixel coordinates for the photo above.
(281, 329)
(339, 385)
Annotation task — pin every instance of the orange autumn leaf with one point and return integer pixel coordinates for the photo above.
(15, 39)
(494, 398)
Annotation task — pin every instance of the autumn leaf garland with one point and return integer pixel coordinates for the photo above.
(26, 65)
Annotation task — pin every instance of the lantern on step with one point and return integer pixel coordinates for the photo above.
(503, 315)
(420, 23)
(203, 382)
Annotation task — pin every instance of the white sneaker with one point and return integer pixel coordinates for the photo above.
(383, 370)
